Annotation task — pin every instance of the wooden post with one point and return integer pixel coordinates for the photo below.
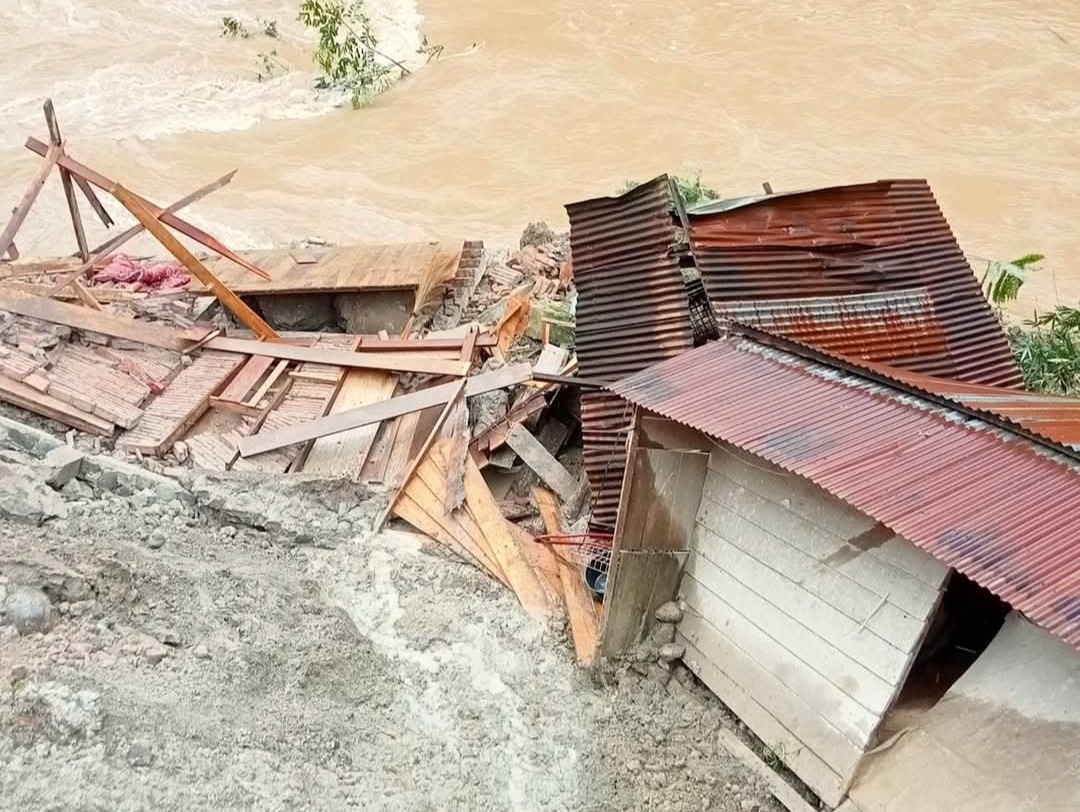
(236, 305)
(65, 178)
(18, 215)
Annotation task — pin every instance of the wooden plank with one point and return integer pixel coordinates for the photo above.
(638, 584)
(94, 201)
(456, 438)
(820, 508)
(344, 454)
(543, 463)
(271, 379)
(26, 397)
(105, 323)
(341, 358)
(581, 610)
(250, 374)
(815, 615)
(181, 405)
(377, 412)
(778, 787)
(666, 494)
(102, 182)
(905, 591)
(826, 700)
(421, 454)
(523, 580)
(859, 603)
(234, 303)
(543, 563)
(22, 208)
(819, 755)
(213, 452)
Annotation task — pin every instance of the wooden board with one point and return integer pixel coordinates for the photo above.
(26, 397)
(802, 747)
(393, 362)
(249, 375)
(778, 787)
(639, 583)
(176, 410)
(83, 318)
(213, 452)
(508, 555)
(665, 498)
(543, 463)
(344, 454)
(377, 412)
(344, 269)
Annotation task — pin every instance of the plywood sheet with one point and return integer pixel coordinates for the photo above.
(345, 269)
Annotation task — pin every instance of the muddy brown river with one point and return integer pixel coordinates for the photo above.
(558, 101)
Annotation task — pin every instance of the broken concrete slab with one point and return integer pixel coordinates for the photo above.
(62, 464)
(16, 435)
(125, 479)
(25, 498)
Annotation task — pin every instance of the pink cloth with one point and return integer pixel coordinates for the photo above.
(122, 269)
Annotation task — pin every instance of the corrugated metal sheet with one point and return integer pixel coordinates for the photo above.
(855, 240)
(997, 507)
(632, 312)
(898, 328)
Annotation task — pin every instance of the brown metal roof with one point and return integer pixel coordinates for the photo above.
(995, 506)
(855, 240)
(894, 327)
(632, 312)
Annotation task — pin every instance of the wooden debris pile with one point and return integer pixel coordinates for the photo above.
(400, 413)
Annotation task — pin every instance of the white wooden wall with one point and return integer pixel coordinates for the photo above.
(804, 635)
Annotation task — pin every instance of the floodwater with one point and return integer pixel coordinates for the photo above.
(561, 100)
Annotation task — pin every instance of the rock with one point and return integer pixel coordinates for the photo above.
(749, 805)
(669, 652)
(140, 755)
(18, 673)
(24, 498)
(633, 766)
(157, 539)
(63, 464)
(657, 674)
(124, 478)
(28, 610)
(76, 490)
(34, 441)
(537, 234)
(151, 649)
(662, 633)
(669, 612)
(181, 451)
(201, 652)
(228, 531)
(56, 712)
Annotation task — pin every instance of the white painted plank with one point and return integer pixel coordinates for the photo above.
(821, 508)
(904, 590)
(703, 655)
(858, 603)
(826, 701)
(778, 787)
(777, 609)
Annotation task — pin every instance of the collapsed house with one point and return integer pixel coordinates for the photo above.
(844, 486)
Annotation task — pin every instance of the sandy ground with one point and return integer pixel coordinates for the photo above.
(233, 669)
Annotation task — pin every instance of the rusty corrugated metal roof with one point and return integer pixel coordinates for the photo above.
(896, 327)
(993, 505)
(855, 240)
(632, 311)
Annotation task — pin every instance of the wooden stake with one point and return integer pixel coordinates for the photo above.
(449, 407)
(184, 227)
(236, 305)
(18, 215)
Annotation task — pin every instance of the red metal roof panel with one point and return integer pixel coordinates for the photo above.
(869, 238)
(995, 506)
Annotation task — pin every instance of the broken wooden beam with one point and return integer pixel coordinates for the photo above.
(390, 362)
(184, 227)
(544, 465)
(26, 397)
(234, 303)
(18, 214)
(105, 323)
(377, 412)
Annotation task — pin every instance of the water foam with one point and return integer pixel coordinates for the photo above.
(156, 68)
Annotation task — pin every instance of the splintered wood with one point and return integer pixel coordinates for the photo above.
(176, 410)
(344, 454)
